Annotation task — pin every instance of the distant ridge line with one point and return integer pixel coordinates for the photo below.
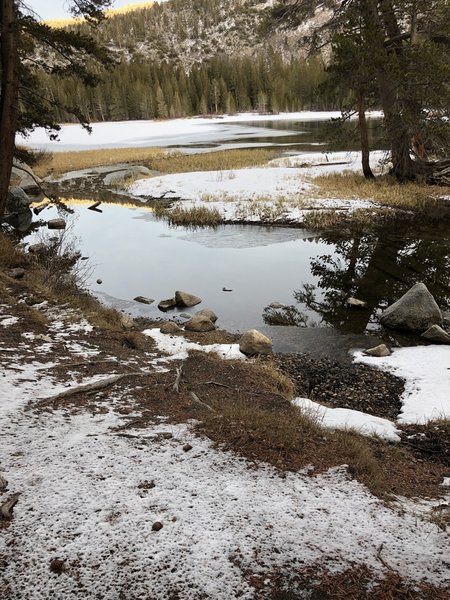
(109, 13)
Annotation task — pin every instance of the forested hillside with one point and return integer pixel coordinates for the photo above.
(185, 58)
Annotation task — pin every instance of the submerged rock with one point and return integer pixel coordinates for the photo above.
(254, 342)
(166, 305)
(56, 224)
(415, 311)
(436, 334)
(200, 323)
(186, 300)
(379, 351)
(143, 300)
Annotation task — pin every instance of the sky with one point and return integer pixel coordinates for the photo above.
(56, 9)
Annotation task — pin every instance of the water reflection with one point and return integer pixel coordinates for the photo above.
(376, 267)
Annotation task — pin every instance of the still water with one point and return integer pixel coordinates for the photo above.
(311, 274)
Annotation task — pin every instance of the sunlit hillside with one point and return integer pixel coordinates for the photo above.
(109, 13)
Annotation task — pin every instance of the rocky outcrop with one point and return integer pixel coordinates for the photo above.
(210, 314)
(200, 323)
(186, 300)
(414, 311)
(170, 327)
(17, 211)
(166, 305)
(129, 173)
(437, 335)
(255, 342)
(379, 351)
(127, 322)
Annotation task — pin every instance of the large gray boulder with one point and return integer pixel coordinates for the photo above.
(415, 311)
(255, 342)
(200, 323)
(437, 335)
(186, 300)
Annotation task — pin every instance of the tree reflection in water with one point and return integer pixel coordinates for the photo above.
(377, 267)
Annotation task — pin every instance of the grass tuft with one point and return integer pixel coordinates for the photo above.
(196, 216)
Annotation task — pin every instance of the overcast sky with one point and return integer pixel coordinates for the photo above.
(56, 9)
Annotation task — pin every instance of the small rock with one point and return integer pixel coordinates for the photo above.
(3, 483)
(210, 314)
(57, 566)
(6, 509)
(254, 342)
(169, 327)
(166, 305)
(200, 323)
(224, 289)
(17, 273)
(185, 315)
(167, 435)
(99, 281)
(276, 305)
(38, 248)
(379, 351)
(44, 338)
(143, 300)
(187, 447)
(157, 526)
(355, 303)
(184, 299)
(436, 334)
(127, 322)
(56, 224)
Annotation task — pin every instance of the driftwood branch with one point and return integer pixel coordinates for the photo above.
(381, 559)
(93, 387)
(176, 383)
(224, 385)
(197, 400)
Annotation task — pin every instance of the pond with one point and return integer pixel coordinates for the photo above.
(310, 274)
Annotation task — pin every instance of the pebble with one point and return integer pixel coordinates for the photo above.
(157, 526)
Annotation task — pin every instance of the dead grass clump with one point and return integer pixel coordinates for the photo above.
(196, 216)
(384, 190)
(362, 462)
(136, 341)
(429, 440)
(32, 315)
(10, 255)
(356, 583)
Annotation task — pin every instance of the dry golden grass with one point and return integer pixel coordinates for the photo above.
(63, 162)
(10, 255)
(155, 159)
(384, 190)
(224, 160)
(196, 216)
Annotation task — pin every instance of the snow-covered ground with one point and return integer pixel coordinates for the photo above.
(85, 500)
(426, 370)
(281, 191)
(163, 134)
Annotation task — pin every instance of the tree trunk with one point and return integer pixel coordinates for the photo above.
(365, 152)
(9, 95)
(397, 131)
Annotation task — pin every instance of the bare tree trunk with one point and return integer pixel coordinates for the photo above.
(9, 95)
(365, 152)
(396, 129)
